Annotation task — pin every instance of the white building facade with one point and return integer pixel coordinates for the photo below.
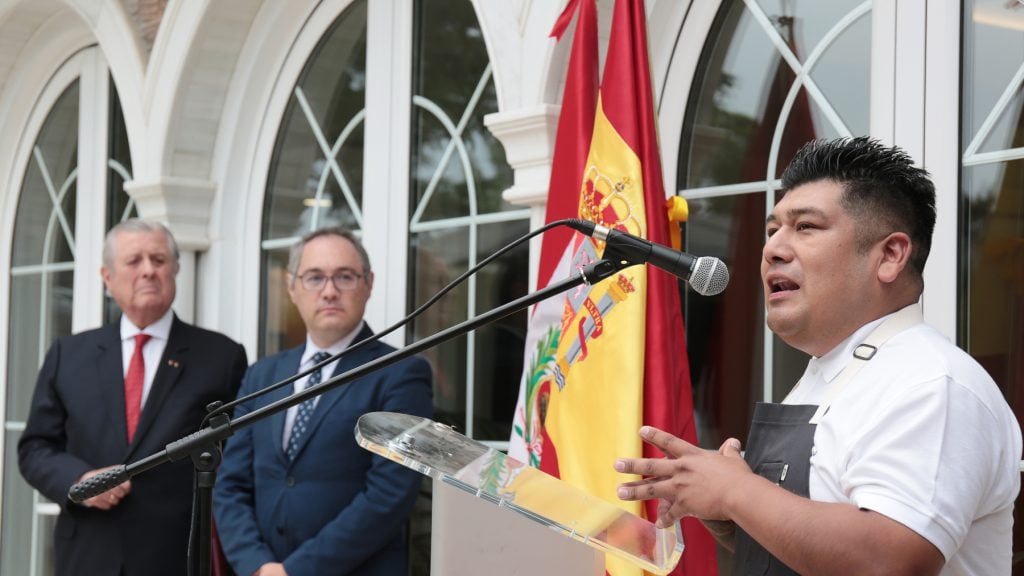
(428, 127)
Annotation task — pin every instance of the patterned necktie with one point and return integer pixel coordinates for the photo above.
(133, 383)
(305, 411)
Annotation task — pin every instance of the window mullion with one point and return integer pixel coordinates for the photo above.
(386, 157)
(91, 199)
(941, 157)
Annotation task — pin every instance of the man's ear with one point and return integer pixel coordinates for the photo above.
(289, 283)
(896, 249)
(105, 275)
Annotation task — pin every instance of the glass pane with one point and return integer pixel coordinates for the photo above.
(46, 204)
(992, 297)
(993, 305)
(459, 171)
(436, 259)
(742, 97)
(16, 535)
(119, 164)
(40, 313)
(806, 23)
(843, 73)
(725, 103)
(1004, 132)
(746, 119)
(991, 262)
(724, 333)
(806, 122)
(458, 168)
(42, 283)
(499, 345)
(318, 157)
(120, 206)
(282, 326)
(310, 187)
(46, 556)
(993, 45)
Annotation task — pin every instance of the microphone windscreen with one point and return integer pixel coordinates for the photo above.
(709, 276)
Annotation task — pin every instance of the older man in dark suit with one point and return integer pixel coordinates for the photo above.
(116, 394)
(296, 495)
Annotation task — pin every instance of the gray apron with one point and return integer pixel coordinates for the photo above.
(778, 448)
(782, 435)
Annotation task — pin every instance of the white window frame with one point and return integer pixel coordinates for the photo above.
(89, 68)
(385, 153)
(915, 104)
(703, 20)
(386, 214)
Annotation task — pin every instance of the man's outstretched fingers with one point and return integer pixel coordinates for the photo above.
(644, 466)
(672, 447)
(641, 490)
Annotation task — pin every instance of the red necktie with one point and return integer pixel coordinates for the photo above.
(133, 384)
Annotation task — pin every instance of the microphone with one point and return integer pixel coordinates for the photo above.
(707, 275)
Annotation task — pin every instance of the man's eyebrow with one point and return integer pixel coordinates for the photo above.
(794, 213)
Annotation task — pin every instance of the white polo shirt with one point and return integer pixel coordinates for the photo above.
(924, 436)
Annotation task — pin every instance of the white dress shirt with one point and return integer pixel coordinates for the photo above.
(152, 352)
(326, 372)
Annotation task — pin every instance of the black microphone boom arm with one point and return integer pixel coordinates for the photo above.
(198, 444)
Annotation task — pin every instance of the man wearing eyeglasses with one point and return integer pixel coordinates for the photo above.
(295, 494)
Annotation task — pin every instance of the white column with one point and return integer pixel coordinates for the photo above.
(528, 136)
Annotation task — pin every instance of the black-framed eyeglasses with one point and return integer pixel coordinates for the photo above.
(315, 281)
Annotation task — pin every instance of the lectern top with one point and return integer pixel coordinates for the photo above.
(438, 451)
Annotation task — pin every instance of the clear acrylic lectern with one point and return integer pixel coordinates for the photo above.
(436, 450)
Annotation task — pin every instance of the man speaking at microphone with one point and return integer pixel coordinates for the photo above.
(295, 494)
(895, 453)
(118, 394)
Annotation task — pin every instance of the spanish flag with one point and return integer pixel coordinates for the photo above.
(603, 360)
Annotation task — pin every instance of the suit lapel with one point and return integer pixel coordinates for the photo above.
(332, 397)
(172, 366)
(110, 368)
(286, 367)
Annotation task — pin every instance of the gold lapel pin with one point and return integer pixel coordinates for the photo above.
(173, 364)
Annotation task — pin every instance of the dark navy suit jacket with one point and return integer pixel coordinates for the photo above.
(77, 423)
(336, 508)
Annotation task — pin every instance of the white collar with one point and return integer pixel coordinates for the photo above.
(159, 329)
(334, 349)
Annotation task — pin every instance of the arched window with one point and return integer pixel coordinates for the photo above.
(447, 216)
(46, 258)
(456, 213)
(773, 75)
(315, 177)
(459, 218)
(991, 264)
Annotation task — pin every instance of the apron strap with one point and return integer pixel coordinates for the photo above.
(898, 322)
